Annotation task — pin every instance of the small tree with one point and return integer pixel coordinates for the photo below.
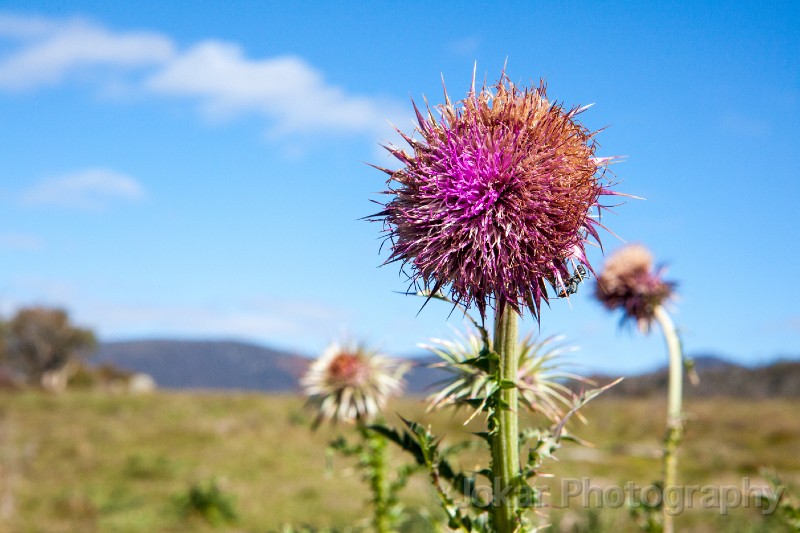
(3, 343)
(41, 341)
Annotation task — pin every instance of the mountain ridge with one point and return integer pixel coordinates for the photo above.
(240, 365)
(207, 364)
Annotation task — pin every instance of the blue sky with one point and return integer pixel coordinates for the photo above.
(187, 169)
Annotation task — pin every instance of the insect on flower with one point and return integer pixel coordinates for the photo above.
(571, 285)
(497, 199)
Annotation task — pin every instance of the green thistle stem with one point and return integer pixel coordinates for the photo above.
(674, 412)
(505, 441)
(376, 474)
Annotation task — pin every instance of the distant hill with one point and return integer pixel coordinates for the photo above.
(231, 365)
(718, 377)
(207, 364)
(422, 379)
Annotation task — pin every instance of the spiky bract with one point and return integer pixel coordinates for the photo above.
(540, 380)
(350, 383)
(629, 282)
(494, 202)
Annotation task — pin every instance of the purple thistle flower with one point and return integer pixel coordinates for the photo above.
(493, 203)
(628, 282)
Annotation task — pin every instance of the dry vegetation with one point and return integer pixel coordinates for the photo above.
(88, 461)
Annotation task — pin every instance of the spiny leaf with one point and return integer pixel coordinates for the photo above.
(507, 384)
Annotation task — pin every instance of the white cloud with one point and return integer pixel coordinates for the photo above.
(51, 51)
(299, 324)
(124, 319)
(33, 290)
(24, 27)
(285, 89)
(289, 93)
(291, 321)
(86, 189)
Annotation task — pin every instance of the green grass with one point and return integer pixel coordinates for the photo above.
(88, 461)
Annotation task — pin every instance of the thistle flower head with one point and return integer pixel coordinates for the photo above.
(540, 380)
(629, 282)
(351, 383)
(494, 201)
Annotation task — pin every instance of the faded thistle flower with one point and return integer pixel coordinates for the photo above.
(351, 383)
(629, 282)
(494, 202)
(541, 382)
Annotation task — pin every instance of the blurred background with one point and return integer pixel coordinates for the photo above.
(187, 182)
(185, 170)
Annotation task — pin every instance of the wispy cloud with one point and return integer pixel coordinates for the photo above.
(787, 324)
(118, 319)
(301, 324)
(289, 93)
(20, 241)
(48, 52)
(24, 27)
(87, 189)
(744, 125)
(464, 47)
(286, 90)
(288, 321)
(791, 324)
(33, 290)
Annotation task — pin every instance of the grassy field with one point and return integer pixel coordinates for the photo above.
(89, 461)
